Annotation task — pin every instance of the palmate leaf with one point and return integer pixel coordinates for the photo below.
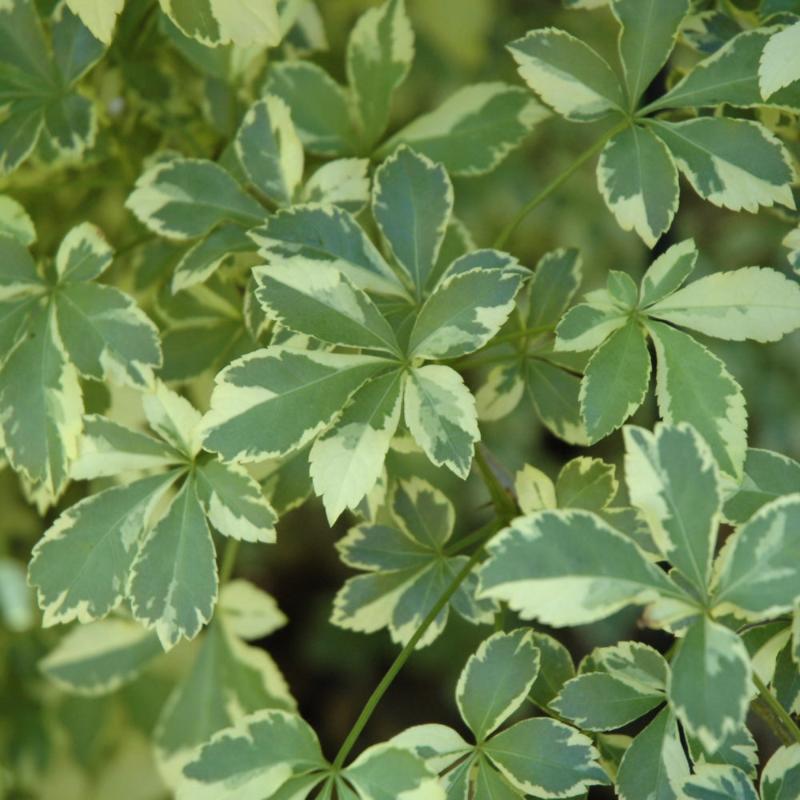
(408, 569)
(37, 87)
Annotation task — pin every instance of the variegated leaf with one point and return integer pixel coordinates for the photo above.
(567, 74)
(387, 771)
(15, 222)
(668, 272)
(781, 776)
(173, 582)
(173, 418)
(534, 490)
(412, 201)
(569, 568)
(780, 63)
(587, 483)
(80, 568)
(275, 400)
(555, 281)
(343, 182)
(99, 17)
(587, 325)
(204, 258)
(348, 459)
(319, 301)
(767, 476)
(718, 782)
(710, 684)
(757, 575)
(270, 150)
(83, 255)
(440, 413)
(247, 611)
(473, 130)
(554, 393)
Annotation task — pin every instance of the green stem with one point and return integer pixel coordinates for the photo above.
(551, 187)
(523, 333)
(777, 709)
(504, 506)
(401, 659)
(228, 560)
(483, 533)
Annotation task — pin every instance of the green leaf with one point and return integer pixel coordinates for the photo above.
(412, 202)
(616, 380)
(201, 260)
(183, 198)
(286, 481)
(174, 419)
(215, 22)
(321, 302)
(654, 765)
(252, 760)
(555, 669)
(638, 179)
(767, 476)
(99, 18)
(41, 398)
(343, 182)
(269, 149)
(107, 448)
(732, 163)
(587, 325)
(328, 236)
(234, 503)
(587, 483)
(569, 568)
(379, 55)
(718, 782)
(554, 393)
(437, 745)
(546, 758)
(749, 303)
(630, 662)
(468, 307)
(383, 771)
(80, 567)
(673, 479)
(15, 222)
(555, 281)
(756, 575)
(496, 680)
(598, 701)
(648, 33)
(474, 129)
(780, 65)
(694, 386)
(173, 583)
(275, 400)
(83, 255)
(567, 74)
(780, 779)
(320, 106)
(500, 392)
(490, 784)
(440, 413)
(710, 684)
(348, 459)
(668, 272)
(100, 657)
(738, 750)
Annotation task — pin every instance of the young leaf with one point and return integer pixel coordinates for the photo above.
(379, 55)
(320, 106)
(473, 130)
(253, 759)
(183, 198)
(234, 503)
(329, 236)
(100, 657)
(732, 163)
(673, 479)
(616, 380)
(586, 483)
(756, 575)
(567, 74)
(534, 490)
(668, 272)
(412, 202)
(780, 65)
(638, 179)
(546, 758)
(648, 33)
(749, 303)
(655, 764)
(270, 150)
(321, 302)
(496, 680)
(710, 685)
(467, 308)
(598, 701)
(348, 459)
(80, 567)
(173, 583)
(440, 413)
(275, 400)
(569, 568)
(693, 385)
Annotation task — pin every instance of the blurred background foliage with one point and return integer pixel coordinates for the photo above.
(159, 90)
